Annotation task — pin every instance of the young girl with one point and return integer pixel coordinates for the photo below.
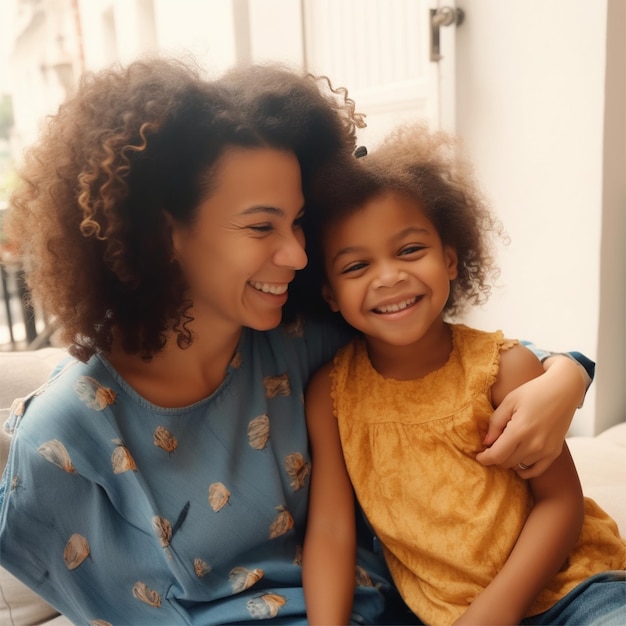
(405, 243)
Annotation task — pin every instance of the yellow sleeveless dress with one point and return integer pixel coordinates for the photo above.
(446, 523)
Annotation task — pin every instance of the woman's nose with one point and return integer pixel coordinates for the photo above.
(291, 253)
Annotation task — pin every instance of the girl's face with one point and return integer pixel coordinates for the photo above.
(246, 243)
(387, 271)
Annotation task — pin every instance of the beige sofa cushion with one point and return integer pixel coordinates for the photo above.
(601, 464)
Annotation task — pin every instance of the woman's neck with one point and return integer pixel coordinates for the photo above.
(177, 377)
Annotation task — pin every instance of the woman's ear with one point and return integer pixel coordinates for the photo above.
(452, 261)
(329, 296)
(175, 236)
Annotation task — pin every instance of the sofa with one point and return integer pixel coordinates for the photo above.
(601, 463)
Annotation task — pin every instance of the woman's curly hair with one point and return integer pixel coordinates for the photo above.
(431, 168)
(134, 144)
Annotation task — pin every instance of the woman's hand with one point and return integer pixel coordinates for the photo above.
(530, 424)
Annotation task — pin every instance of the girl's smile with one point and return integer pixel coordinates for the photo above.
(396, 307)
(387, 270)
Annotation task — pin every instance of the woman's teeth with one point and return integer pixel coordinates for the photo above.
(274, 289)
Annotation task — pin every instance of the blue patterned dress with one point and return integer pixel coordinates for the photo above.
(122, 512)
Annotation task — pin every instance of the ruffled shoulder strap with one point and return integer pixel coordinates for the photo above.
(479, 352)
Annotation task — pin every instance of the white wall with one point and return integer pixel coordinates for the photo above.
(531, 108)
(541, 107)
(126, 29)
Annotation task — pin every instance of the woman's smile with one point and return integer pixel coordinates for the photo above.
(277, 289)
(248, 231)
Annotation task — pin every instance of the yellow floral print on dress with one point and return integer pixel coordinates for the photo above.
(242, 578)
(297, 469)
(121, 459)
(201, 567)
(15, 482)
(295, 328)
(17, 407)
(218, 496)
(55, 452)
(297, 560)
(277, 385)
(93, 394)
(164, 439)
(282, 523)
(259, 432)
(162, 529)
(76, 551)
(142, 592)
(362, 578)
(265, 606)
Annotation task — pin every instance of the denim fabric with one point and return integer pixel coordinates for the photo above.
(598, 601)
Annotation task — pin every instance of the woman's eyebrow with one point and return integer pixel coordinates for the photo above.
(272, 210)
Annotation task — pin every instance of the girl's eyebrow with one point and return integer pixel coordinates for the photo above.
(344, 251)
(411, 230)
(417, 230)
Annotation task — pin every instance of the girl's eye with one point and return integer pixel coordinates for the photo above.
(412, 249)
(355, 267)
(297, 223)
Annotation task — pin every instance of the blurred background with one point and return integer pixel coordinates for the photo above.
(535, 88)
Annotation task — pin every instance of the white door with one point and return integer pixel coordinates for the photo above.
(380, 50)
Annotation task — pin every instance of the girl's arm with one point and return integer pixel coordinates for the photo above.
(552, 527)
(329, 555)
(530, 424)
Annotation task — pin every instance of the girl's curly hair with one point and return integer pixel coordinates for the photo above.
(135, 143)
(431, 168)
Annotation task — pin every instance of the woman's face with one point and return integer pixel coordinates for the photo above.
(246, 243)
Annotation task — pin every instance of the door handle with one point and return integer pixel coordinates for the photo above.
(443, 16)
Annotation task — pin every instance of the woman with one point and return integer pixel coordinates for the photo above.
(162, 476)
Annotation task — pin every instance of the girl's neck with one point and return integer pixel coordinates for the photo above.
(411, 362)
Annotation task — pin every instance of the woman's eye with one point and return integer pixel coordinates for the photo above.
(297, 223)
(261, 228)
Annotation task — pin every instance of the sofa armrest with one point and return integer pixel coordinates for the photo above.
(601, 465)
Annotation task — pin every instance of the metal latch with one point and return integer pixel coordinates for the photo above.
(443, 16)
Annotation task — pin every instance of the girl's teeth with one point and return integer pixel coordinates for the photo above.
(276, 290)
(394, 308)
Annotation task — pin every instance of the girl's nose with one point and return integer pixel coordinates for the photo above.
(389, 275)
(291, 253)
